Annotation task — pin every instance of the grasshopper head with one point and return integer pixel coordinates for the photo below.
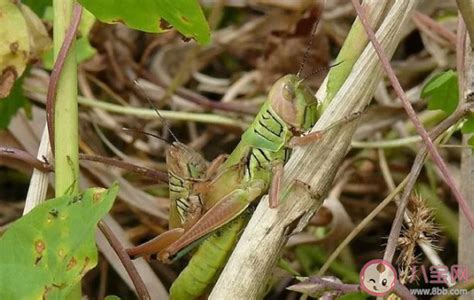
(294, 102)
(185, 162)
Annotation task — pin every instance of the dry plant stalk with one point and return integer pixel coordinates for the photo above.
(39, 180)
(466, 8)
(250, 265)
(466, 87)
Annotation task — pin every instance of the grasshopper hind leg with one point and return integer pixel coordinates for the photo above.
(156, 245)
(220, 214)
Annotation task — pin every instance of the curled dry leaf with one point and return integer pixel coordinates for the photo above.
(14, 45)
(38, 37)
(22, 37)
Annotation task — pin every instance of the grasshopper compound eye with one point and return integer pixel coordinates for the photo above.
(288, 92)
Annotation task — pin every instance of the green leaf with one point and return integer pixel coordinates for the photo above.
(468, 126)
(44, 254)
(87, 21)
(285, 265)
(112, 297)
(11, 104)
(84, 51)
(442, 92)
(185, 15)
(470, 142)
(443, 215)
(38, 6)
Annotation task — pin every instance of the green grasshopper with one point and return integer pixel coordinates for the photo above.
(254, 167)
(256, 164)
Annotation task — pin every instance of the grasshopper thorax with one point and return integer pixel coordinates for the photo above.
(294, 103)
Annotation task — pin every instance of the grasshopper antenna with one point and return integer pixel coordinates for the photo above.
(135, 81)
(310, 44)
(320, 69)
(146, 133)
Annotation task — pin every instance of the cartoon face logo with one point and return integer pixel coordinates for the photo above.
(378, 277)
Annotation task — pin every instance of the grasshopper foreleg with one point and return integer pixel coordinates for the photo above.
(275, 186)
(316, 135)
(305, 139)
(215, 164)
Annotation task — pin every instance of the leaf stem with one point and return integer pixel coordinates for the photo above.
(65, 98)
(65, 108)
(387, 143)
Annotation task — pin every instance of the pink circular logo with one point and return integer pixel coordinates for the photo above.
(378, 277)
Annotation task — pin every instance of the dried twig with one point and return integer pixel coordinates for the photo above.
(140, 287)
(412, 177)
(154, 286)
(199, 99)
(411, 221)
(466, 7)
(438, 160)
(423, 20)
(329, 287)
(156, 175)
(465, 63)
(24, 156)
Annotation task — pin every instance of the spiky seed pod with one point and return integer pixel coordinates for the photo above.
(421, 229)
